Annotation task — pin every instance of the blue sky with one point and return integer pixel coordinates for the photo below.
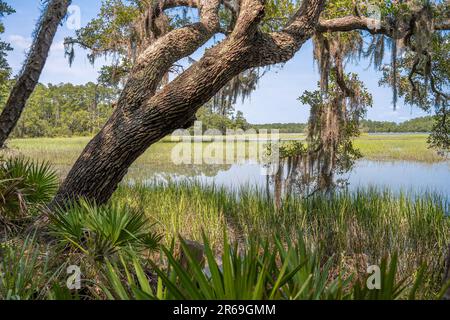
(275, 100)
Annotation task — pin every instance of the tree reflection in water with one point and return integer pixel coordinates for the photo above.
(336, 109)
(303, 176)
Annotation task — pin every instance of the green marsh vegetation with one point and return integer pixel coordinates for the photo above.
(408, 147)
(308, 248)
(64, 151)
(315, 248)
(131, 248)
(255, 245)
(357, 227)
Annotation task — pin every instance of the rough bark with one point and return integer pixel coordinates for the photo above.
(144, 115)
(351, 23)
(27, 81)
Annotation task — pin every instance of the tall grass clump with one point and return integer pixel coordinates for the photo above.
(260, 270)
(25, 271)
(182, 208)
(356, 228)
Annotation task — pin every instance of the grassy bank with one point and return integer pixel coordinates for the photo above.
(318, 248)
(64, 151)
(411, 147)
(314, 248)
(357, 229)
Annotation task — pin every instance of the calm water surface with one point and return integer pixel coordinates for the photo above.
(415, 177)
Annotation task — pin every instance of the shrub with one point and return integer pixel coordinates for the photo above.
(102, 231)
(24, 185)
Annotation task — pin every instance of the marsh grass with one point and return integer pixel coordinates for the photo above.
(64, 151)
(25, 269)
(412, 147)
(261, 270)
(357, 229)
(315, 248)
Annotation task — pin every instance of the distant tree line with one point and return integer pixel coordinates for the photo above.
(422, 124)
(65, 110)
(282, 127)
(221, 121)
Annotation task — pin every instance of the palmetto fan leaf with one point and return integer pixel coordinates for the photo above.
(102, 231)
(24, 184)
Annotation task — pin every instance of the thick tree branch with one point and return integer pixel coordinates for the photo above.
(156, 60)
(279, 47)
(353, 23)
(250, 15)
(159, 7)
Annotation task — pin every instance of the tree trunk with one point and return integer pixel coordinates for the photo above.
(27, 81)
(141, 119)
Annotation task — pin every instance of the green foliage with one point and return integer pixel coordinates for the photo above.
(292, 149)
(359, 227)
(136, 286)
(419, 68)
(334, 121)
(66, 110)
(255, 272)
(439, 137)
(421, 124)
(425, 83)
(5, 70)
(307, 251)
(259, 271)
(106, 33)
(212, 120)
(391, 287)
(102, 231)
(245, 274)
(122, 30)
(278, 13)
(24, 270)
(24, 185)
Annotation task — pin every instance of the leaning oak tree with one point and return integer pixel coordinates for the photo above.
(150, 107)
(53, 14)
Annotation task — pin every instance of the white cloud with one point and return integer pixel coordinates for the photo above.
(20, 42)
